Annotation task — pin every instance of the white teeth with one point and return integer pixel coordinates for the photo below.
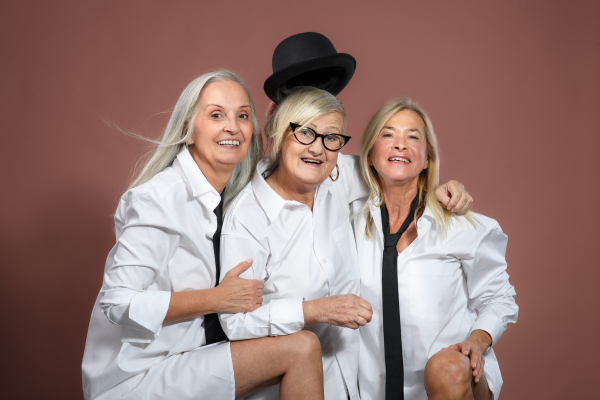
(402, 159)
(229, 143)
(310, 161)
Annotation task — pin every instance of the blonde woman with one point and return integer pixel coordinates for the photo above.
(294, 219)
(154, 333)
(436, 281)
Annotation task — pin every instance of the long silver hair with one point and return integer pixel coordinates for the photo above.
(180, 130)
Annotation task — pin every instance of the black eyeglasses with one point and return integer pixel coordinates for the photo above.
(305, 135)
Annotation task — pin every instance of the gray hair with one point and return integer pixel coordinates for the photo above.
(180, 130)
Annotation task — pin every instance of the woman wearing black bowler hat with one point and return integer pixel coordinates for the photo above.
(310, 59)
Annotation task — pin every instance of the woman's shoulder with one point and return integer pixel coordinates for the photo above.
(165, 187)
(472, 224)
(244, 212)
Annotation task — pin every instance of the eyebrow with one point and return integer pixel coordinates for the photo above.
(394, 129)
(220, 106)
(327, 127)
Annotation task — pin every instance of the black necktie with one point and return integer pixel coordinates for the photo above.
(392, 336)
(212, 327)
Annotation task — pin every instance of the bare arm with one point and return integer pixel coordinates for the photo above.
(346, 310)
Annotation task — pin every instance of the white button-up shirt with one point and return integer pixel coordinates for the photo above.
(299, 255)
(164, 231)
(448, 286)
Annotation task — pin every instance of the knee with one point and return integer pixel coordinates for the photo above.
(447, 371)
(306, 344)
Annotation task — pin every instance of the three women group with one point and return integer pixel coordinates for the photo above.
(234, 276)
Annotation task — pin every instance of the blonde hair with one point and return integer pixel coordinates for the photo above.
(428, 178)
(180, 130)
(302, 106)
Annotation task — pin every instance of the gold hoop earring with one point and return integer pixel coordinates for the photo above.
(337, 173)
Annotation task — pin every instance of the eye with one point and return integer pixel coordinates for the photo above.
(306, 132)
(244, 116)
(333, 139)
(216, 115)
(386, 134)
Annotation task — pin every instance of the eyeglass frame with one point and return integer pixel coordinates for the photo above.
(294, 126)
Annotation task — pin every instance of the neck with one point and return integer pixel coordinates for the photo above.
(398, 197)
(285, 187)
(217, 177)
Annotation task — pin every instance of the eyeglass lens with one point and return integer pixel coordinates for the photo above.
(307, 136)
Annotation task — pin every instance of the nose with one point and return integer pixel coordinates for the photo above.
(399, 143)
(232, 125)
(316, 147)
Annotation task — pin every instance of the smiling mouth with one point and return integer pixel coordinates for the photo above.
(311, 161)
(399, 159)
(229, 143)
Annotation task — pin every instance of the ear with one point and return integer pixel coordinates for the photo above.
(426, 164)
(270, 109)
(369, 160)
(184, 131)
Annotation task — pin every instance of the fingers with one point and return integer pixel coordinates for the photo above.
(239, 269)
(478, 370)
(456, 191)
(441, 194)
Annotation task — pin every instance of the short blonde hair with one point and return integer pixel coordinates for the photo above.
(302, 106)
(428, 179)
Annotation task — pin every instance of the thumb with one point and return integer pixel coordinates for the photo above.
(240, 268)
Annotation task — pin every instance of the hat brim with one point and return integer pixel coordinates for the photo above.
(331, 73)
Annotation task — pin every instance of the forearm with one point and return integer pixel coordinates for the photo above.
(192, 303)
(313, 312)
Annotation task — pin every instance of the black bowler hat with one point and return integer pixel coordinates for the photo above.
(308, 59)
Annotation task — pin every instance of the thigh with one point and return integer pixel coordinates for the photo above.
(481, 390)
(259, 363)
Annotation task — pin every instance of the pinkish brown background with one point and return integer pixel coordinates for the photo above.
(513, 88)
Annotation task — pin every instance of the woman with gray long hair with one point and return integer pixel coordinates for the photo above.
(154, 332)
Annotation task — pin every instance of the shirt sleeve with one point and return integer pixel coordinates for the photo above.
(351, 177)
(275, 318)
(147, 241)
(490, 293)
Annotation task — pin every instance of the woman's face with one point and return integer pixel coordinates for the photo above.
(400, 151)
(307, 166)
(222, 127)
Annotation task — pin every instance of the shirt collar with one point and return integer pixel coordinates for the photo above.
(196, 179)
(270, 201)
(376, 218)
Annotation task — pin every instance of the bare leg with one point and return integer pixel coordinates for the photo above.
(448, 376)
(293, 360)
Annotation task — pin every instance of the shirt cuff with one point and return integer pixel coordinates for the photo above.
(286, 316)
(491, 324)
(149, 309)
